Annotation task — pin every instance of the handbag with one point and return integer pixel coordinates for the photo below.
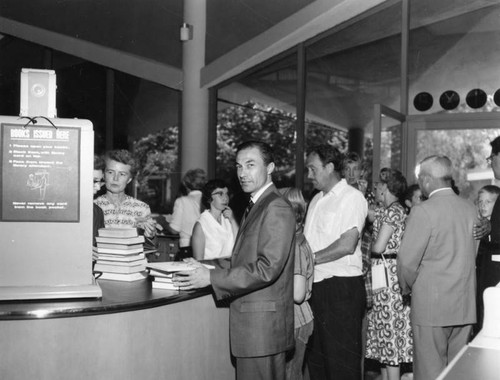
(380, 276)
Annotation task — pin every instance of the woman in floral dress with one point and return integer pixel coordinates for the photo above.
(390, 339)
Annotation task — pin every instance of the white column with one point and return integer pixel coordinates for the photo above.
(194, 144)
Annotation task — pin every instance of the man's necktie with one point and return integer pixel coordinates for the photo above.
(249, 207)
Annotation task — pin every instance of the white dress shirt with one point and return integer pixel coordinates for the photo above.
(328, 217)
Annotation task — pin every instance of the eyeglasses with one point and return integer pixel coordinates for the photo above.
(219, 193)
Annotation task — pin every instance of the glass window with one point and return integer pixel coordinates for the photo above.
(348, 71)
(260, 106)
(464, 138)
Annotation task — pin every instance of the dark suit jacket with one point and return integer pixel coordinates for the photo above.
(495, 224)
(259, 281)
(98, 222)
(436, 261)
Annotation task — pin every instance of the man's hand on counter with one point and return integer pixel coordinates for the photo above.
(192, 279)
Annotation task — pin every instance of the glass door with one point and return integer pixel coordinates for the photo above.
(463, 137)
(389, 137)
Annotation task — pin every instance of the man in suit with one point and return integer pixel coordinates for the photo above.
(259, 278)
(436, 264)
(334, 222)
(489, 269)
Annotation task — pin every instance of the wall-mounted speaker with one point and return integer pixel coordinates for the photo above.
(38, 93)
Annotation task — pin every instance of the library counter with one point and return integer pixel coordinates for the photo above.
(116, 297)
(133, 332)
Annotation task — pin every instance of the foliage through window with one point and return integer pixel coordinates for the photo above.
(255, 121)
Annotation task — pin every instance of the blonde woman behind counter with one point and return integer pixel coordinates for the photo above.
(215, 231)
(121, 210)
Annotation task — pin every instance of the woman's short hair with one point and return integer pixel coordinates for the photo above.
(208, 189)
(396, 183)
(194, 179)
(296, 199)
(123, 156)
(410, 191)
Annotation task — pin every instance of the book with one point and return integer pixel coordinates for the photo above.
(94, 253)
(174, 266)
(117, 268)
(117, 232)
(124, 252)
(104, 257)
(120, 240)
(163, 285)
(139, 261)
(164, 280)
(124, 245)
(157, 274)
(123, 276)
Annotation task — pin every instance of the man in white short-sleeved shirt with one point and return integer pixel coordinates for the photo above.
(334, 222)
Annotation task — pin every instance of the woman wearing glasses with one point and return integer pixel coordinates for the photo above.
(215, 231)
(98, 182)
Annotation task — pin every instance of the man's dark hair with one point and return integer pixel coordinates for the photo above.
(265, 149)
(495, 145)
(328, 153)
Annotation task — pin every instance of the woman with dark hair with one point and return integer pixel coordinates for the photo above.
(215, 231)
(98, 215)
(413, 196)
(390, 339)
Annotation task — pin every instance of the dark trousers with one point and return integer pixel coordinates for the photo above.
(488, 274)
(335, 349)
(270, 367)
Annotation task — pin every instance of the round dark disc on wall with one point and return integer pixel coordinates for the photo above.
(496, 97)
(423, 101)
(476, 98)
(449, 100)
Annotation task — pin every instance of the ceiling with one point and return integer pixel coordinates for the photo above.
(146, 32)
(141, 38)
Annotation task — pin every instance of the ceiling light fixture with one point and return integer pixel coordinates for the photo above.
(186, 32)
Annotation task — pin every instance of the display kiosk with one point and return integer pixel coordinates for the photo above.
(46, 207)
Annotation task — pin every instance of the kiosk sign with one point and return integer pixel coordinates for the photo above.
(40, 173)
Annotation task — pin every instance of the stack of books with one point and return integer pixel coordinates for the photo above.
(163, 272)
(120, 255)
